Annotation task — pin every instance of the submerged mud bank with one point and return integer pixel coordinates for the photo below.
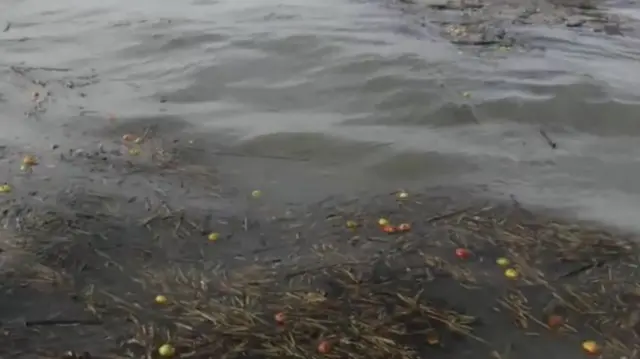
(500, 22)
(95, 274)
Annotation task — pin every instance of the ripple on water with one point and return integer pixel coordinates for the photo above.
(379, 88)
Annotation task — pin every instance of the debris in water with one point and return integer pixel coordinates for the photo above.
(128, 137)
(5, 188)
(402, 195)
(404, 227)
(432, 337)
(256, 194)
(352, 224)
(548, 139)
(134, 152)
(30, 160)
(393, 298)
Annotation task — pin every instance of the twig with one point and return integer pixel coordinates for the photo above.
(34, 323)
(23, 69)
(6, 28)
(147, 132)
(548, 139)
(515, 201)
(446, 215)
(271, 157)
(305, 271)
(582, 269)
(506, 354)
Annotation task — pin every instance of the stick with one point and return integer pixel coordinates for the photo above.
(582, 269)
(45, 322)
(548, 139)
(445, 215)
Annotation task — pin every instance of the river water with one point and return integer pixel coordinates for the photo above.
(336, 96)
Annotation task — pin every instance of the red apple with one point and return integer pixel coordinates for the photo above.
(463, 253)
(280, 318)
(324, 347)
(389, 229)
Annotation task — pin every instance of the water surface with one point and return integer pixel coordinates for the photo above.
(336, 96)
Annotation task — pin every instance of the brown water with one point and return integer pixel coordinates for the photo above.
(348, 95)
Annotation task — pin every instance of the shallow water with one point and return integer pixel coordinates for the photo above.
(348, 95)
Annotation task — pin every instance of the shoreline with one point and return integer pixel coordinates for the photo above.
(496, 23)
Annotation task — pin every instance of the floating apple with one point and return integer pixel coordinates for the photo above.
(591, 347)
(280, 317)
(324, 347)
(463, 253)
(161, 299)
(511, 273)
(502, 262)
(389, 229)
(555, 321)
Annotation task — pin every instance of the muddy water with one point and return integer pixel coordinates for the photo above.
(306, 99)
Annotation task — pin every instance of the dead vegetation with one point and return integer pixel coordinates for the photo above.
(347, 292)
